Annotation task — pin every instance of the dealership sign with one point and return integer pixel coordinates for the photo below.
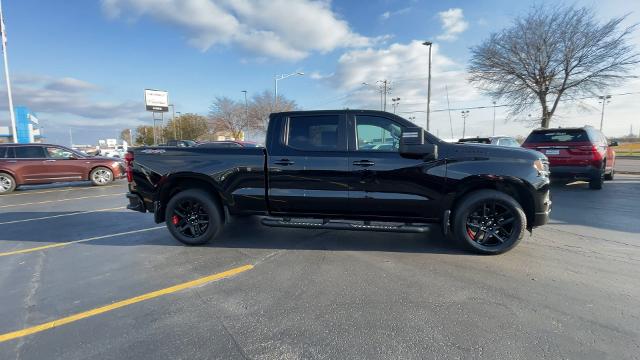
(156, 100)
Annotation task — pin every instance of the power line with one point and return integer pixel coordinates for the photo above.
(507, 105)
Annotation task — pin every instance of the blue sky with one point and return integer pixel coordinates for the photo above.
(82, 65)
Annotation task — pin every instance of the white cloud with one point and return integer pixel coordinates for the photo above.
(282, 29)
(453, 24)
(388, 14)
(405, 66)
(69, 98)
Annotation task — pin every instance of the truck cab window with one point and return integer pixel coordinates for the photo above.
(315, 133)
(376, 133)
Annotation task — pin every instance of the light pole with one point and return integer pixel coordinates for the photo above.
(179, 125)
(605, 100)
(394, 103)
(173, 120)
(494, 119)
(278, 78)
(429, 44)
(465, 114)
(12, 115)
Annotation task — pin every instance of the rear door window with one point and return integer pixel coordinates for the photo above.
(316, 133)
(558, 136)
(29, 152)
(3, 152)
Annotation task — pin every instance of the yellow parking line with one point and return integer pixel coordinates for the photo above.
(52, 201)
(61, 215)
(122, 303)
(27, 192)
(50, 246)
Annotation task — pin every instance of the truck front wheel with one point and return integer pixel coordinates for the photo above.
(489, 222)
(193, 217)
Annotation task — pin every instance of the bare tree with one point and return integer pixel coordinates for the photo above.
(262, 105)
(227, 115)
(550, 54)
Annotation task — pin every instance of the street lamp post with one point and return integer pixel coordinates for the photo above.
(605, 100)
(278, 78)
(494, 119)
(465, 114)
(429, 44)
(395, 102)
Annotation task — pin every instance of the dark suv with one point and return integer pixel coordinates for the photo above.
(576, 153)
(29, 164)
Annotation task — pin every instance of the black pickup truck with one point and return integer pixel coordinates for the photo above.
(350, 170)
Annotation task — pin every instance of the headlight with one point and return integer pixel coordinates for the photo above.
(542, 167)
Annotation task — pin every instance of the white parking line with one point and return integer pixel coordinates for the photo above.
(55, 245)
(61, 215)
(53, 201)
(27, 192)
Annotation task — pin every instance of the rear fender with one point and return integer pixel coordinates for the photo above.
(172, 184)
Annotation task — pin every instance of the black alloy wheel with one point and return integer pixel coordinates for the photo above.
(489, 222)
(190, 218)
(193, 217)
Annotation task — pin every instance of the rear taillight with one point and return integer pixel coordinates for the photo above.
(128, 160)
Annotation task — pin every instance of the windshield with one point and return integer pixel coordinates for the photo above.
(557, 136)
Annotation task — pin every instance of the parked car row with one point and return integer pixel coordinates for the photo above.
(31, 164)
(578, 153)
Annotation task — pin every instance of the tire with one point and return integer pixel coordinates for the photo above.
(596, 183)
(183, 217)
(497, 208)
(7, 183)
(101, 176)
(609, 176)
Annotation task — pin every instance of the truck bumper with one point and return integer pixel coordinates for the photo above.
(136, 203)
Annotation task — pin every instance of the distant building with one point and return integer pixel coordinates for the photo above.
(27, 127)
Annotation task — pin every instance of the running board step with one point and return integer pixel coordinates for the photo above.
(343, 225)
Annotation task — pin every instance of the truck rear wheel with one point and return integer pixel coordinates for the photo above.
(489, 222)
(193, 217)
(7, 183)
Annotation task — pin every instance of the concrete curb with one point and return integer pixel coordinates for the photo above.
(628, 172)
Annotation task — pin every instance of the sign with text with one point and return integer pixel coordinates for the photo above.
(156, 100)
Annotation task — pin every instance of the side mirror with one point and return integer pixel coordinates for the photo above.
(412, 145)
(613, 143)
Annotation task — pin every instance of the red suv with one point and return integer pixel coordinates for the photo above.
(575, 153)
(27, 164)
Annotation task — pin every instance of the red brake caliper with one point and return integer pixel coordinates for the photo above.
(471, 234)
(175, 219)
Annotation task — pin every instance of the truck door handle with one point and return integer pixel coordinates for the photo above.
(363, 163)
(284, 162)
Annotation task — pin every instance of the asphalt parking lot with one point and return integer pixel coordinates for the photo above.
(100, 280)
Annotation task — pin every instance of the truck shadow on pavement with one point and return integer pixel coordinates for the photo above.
(249, 233)
(239, 233)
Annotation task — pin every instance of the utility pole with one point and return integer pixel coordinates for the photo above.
(494, 119)
(246, 107)
(173, 120)
(12, 115)
(464, 113)
(604, 99)
(385, 87)
(449, 109)
(395, 102)
(429, 44)
(70, 139)
(130, 136)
